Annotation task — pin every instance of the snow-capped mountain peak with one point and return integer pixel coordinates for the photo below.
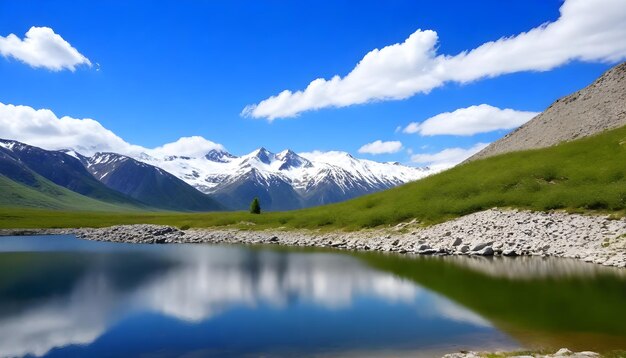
(286, 180)
(263, 155)
(72, 153)
(219, 156)
(290, 160)
(282, 181)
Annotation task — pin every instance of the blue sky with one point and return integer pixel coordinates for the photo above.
(168, 69)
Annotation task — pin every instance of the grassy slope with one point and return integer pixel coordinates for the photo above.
(584, 175)
(46, 194)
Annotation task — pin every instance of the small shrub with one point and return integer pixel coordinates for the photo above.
(615, 176)
(370, 204)
(548, 174)
(374, 221)
(325, 222)
(597, 204)
(529, 185)
(255, 206)
(553, 202)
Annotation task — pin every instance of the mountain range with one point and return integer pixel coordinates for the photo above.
(285, 180)
(217, 180)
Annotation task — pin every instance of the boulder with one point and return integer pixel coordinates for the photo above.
(486, 251)
(481, 246)
(510, 253)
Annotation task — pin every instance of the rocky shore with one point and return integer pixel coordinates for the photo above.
(563, 352)
(597, 239)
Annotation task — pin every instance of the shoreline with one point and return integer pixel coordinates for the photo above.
(493, 232)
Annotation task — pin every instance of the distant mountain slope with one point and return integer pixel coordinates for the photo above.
(106, 177)
(146, 183)
(22, 187)
(43, 194)
(273, 191)
(20, 162)
(596, 108)
(214, 181)
(285, 180)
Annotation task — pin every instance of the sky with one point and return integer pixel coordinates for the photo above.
(422, 83)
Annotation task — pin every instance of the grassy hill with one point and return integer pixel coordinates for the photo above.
(41, 169)
(583, 175)
(44, 194)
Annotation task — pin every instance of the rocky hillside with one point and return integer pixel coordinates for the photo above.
(596, 108)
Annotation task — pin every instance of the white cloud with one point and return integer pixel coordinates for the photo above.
(44, 129)
(41, 47)
(447, 158)
(471, 120)
(194, 146)
(380, 147)
(585, 31)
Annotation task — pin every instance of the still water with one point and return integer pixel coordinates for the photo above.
(60, 296)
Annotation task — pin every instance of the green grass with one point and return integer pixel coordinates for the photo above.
(612, 354)
(588, 175)
(48, 195)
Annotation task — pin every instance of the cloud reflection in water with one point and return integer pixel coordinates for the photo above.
(201, 282)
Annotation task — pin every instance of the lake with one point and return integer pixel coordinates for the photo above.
(61, 296)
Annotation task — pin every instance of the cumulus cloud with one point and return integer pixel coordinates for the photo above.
(471, 120)
(448, 157)
(194, 146)
(585, 31)
(380, 147)
(42, 128)
(41, 47)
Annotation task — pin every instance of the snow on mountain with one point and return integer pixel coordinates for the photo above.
(11, 144)
(149, 184)
(282, 181)
(373, 172)
(316, 178)
(6, 144)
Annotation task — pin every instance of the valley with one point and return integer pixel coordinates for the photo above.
(313, 179)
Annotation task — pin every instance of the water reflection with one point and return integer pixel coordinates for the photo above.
(212, 279)
(57, 321)
(63, 296)
(530, 267)
(542, 303)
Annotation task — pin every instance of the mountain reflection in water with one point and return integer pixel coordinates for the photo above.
(62, 296)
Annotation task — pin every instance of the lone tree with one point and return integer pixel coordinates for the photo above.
(255, 207)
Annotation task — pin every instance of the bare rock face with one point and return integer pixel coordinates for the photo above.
(598, 107)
